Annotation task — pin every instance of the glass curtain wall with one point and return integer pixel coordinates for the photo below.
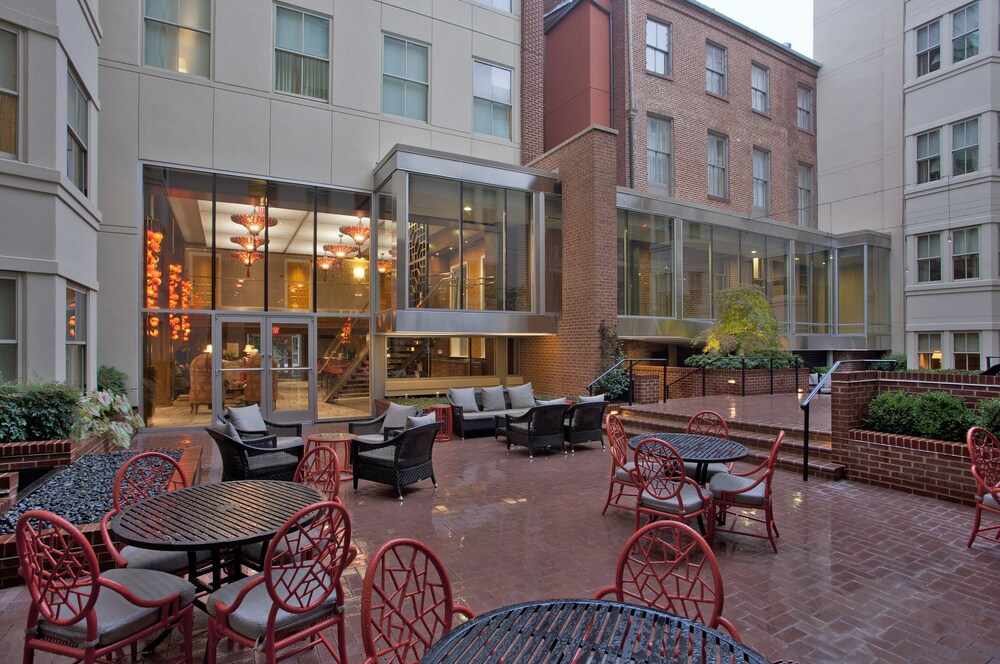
(777, 279)
(479, 285)
(878, 290)
(440, 357)
(385, 265)
(697, 247)
(343, 375)
(725, 262)
(648, 269)
(553, 253)
(812, 288)
(851, 295)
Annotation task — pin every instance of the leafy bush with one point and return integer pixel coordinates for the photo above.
(745, 326)
(106, 413)
(111, 380)
(892, 412)
(899, 358)
(821, 369)
(713, 361)
(13, 426)
(615, 383)
(989, 415)
(941, 416)
(38, 411)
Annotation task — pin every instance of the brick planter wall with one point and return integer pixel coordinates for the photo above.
(49, 453)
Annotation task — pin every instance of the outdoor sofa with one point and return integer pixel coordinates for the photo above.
(474, 411)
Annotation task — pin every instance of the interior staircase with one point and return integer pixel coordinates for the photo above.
(757, 437)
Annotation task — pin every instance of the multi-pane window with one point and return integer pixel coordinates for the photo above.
(804, 99)
(929, 156)
(805, 196)
(715, 69)
(9, 95)
(718, 166)
(491, 100)
(9, 360)
(178, 35)
(76, 337)
(404, 78)
(657, 48)
(302, 53)
(761, 180)
(502, 5)
(965, 33)
(929, 48)
(659, 151)
(929, 350)
(965, 253)
(760, 84)
(967, 351)
(76, 134)
(929, 257)
(965, 147)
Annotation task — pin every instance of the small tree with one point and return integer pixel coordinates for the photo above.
(746, 325)
(615, 383)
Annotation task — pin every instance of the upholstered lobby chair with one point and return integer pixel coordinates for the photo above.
(399, 461)
(584, 424)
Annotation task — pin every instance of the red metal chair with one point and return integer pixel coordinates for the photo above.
(78, 612)
(406, 603)
(665, 491)
(144, 475)
(741, 495)
(984, 449)
(622, 486)
(296, 597)
(708, 423)
(320, 469)
(669, 566)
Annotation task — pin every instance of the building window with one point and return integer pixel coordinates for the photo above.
(178, 35)
(491, 101)
(929, 351)
(965, 147)
(718, 166)
(805, 106)
(9, 359)
(76, 134)
(965, 253)
(805, 195)
(761, 180)
(502, 5)
(76, 338)
(659, 153)
(302, 54)
(658, 48)
(929, 48)
(9, 95)
(760, 84)
(967, 351)
(404, 78)
(929, 156)
(715, 69)
(965, 33)
(928, 257)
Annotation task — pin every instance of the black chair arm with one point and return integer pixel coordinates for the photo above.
(511, 419)
(369, 426)
(292, 429)
(259, 444)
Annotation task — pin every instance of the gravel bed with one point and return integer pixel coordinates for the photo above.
(81, 492)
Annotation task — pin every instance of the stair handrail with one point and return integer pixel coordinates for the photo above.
(632, 361)
(666, 386)
(346, 375)
(441, 281)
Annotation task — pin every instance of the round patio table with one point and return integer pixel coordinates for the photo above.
(582, 630)
(698, 449)
(332, 439)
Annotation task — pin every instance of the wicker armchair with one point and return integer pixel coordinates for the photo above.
(540, 428)
(583, 424)
(399, 461)
(250, 423)
(382, 429)
(254, 458)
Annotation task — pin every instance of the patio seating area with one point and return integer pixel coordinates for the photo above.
(861, 574)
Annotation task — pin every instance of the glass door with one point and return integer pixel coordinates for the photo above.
(290, 344)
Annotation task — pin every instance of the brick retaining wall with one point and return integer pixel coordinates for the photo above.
(717, 382)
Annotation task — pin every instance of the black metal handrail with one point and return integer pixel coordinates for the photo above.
(666, 386)
(631, 374)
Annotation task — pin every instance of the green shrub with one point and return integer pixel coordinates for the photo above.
(50, 410)
(941, 416)
(713, 361)
(892, 412)
(821, 370)
(900, 359)
(989, 415)
(111, 380)
(13, 426)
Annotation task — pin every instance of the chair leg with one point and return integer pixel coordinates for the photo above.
(611, 486)
(355, 484)
(399, 490)
(187, 633)
(434, 481)
(212, 646)
(975, 524)
(342, 640)
(769, 523)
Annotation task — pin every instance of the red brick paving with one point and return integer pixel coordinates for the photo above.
(863, 574)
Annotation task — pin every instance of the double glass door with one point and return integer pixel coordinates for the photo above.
(265, 360)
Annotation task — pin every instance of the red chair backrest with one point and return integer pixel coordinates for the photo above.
(305, 559)
(708, 423)
(59, 568)
(144, 475)
(660, 468)
(618, 440)
(406, 602)
(985, 452)
(320, 469)
(669, 566)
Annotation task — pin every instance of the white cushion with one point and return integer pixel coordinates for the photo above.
(691, 469)
(726, 482)
(689, 495)
(372, 438)
(596, 397)
(990, 501)
(623, 474)
(464, 397)
(247, 418)
(395, 417)
(420, 420)
(552, 402)
(493, 398)
(521, 396)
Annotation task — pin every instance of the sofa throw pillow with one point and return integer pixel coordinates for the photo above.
(395, 417)
(493, 398)
(552, 402)
(596, 397)
(227, 428)
(464, 397)
(521, 396)
(247, 418)
(420, 420)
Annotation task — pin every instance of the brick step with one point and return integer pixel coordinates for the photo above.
(677, 422)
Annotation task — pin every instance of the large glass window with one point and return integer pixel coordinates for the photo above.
(9, 325)
(965, 32)
(697, 293)
(343, 238)
(878, 290)
(178, 35)
(966, 346)
(342, 377)
(404, 78)
(658, 48)
(649, 261)
(760, 85)
(965, 147)
(76, 338)
(479, 285)
(753, 265)
(725, 262)
(301, 53)
(10, 69)
(965, 253)
(659, 152)
(929, 48)
(813, 271)
(804, 100)
(851, 290)
(928, 257)
(777, 278)
(77, 133)
(553, 253)
(718, 166)
(386, 258)
(807, 211)
(761, 181)
(177, 371)
(929, 350)
(440, 357)
(491, 100)
(715, 69)
(929, 156)
(517, 252)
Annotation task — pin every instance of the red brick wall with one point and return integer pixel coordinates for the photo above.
(532, 80)
(689, 383)
(49, 453)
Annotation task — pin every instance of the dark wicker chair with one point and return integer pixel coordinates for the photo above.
(584, 423)
(541, 428)
(464, 428)
(399, 461)
(255, 458)
(278, 429)
(371, 431)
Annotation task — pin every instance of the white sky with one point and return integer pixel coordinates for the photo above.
(781, 20)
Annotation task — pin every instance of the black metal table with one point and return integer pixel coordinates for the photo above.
(586, 631)
(215, 517)
(698, 449)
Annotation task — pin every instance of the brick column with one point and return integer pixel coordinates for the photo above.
(563, 365)
(532, 79)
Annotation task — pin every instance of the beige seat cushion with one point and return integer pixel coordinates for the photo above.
(689, 495)
(990, 501)
(162, 561)
(690, 469)
(623, 474)
(726, 482)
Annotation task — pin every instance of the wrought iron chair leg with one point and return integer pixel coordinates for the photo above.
(399, 490)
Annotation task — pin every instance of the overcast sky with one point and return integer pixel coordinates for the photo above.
(781, 20)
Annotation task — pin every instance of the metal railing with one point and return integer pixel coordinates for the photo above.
(631, 375)
(666, 386)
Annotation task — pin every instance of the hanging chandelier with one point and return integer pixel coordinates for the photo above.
(339, 250)
(248, 258)
(356, 232)
(255, 222)
(248, 242)
(383, 266)
(325, 263)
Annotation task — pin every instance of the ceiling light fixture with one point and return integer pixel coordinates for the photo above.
(255, 222)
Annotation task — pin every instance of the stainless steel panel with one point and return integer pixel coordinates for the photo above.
(469, 169)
